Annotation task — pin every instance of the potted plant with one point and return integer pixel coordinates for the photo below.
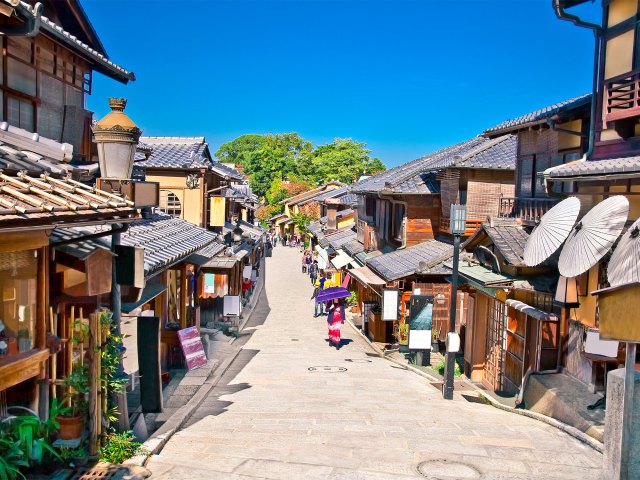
(435, 340)
(106, 322)
(71, 417)
(352, 301)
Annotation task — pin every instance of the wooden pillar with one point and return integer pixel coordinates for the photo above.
(42, 310)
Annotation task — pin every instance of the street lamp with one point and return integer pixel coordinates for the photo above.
(237, 233)
(458, 227)
(116, 137)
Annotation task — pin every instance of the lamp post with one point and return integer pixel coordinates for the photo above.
(116, 137)
(458, 228)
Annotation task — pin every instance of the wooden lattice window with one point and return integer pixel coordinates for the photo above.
(170, 204)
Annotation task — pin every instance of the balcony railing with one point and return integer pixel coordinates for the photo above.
(622, 97)
(528, 210)
(470, 228)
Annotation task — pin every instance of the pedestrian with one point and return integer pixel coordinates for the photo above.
(284, 240)
(317, 309)
(304, 262)
(308, 260)
(275, 241)
(313, 272)
(334, 322)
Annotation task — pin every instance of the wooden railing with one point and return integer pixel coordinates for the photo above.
(472, 225)
(528, 210)
(622, 96)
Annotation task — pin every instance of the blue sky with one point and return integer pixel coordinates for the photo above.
(406, 77)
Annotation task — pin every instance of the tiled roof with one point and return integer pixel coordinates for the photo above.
(403, 263)
(29, 201)
(166, 240)
(418, 176)
(510, 239)
(310, 194)
(350, 199)
(353, 247)
(626, 165)
(177, 152)
(540, 116)
(334, 193)
(340, 237)
(482, 275)
(102, 64)
(225, 171)
(500, 155)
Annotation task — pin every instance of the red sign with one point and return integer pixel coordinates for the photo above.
(192, 347)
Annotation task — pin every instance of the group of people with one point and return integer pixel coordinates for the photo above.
(334, 309)
(284, 239)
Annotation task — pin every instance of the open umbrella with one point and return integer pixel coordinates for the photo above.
(332, 293)
(624, 265)
(554, 228)
(593, 236)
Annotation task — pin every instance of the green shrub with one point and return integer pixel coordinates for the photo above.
(456, 371)
(119, 447)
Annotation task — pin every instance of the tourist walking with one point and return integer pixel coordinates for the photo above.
(304, 262)
(335, 319)
(313, 272)
(284, 240)
(317, 309)
(308, 260)
(275, 241)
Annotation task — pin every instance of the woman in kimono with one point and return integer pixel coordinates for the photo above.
(335, 320)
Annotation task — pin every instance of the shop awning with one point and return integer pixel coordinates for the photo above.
(365, 276)
(202, 256)
(221, 263)
(482, 275)
(341, 259)
(150, 292)
(531, 311)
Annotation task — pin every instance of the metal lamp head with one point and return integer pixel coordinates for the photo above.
(116, 137)
(458, 219)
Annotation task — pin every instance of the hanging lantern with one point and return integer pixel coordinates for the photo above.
(567, 293)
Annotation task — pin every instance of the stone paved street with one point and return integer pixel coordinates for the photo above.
(272, 417)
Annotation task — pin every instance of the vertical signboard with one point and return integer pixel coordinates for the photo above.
(389, 304)
(420, 322)
(216, 211)
(192, 348)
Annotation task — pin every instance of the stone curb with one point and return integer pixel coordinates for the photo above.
(568, 429)
(156, 443)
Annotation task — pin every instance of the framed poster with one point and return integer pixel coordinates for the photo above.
(209, 283)
(420, 322)
(232, 307)
(390, 304)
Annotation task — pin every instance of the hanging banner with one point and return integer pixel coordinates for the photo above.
(192, 348)
(217, 207)
(390, 304)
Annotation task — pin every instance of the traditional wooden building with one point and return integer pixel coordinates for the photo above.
(193, 185)
(403, 224)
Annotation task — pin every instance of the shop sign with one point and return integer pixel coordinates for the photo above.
(192, 347)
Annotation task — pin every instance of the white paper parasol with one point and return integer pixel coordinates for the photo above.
(593, 236)
(554, 228)
(624, 266)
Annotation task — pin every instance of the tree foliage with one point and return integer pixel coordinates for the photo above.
(281, 162)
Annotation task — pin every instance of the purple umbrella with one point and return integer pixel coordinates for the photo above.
(332, 293)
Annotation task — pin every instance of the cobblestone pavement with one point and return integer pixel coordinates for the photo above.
(273, 416)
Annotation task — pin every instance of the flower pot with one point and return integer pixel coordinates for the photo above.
(70, 427)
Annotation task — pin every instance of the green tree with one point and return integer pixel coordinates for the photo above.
(344, 160)
(239, 150)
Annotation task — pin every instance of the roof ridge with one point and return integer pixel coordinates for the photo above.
(175, 140)
(437, 155)
(481, 148)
